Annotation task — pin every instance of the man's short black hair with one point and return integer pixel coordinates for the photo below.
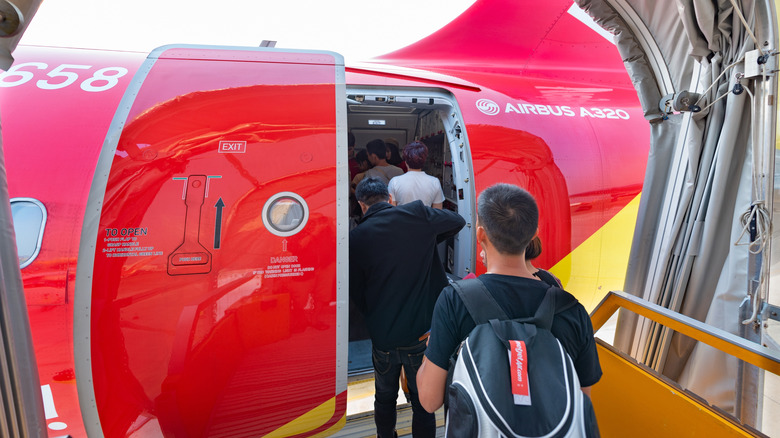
(510, 217)
(378, 148)
(350, 140)
(372, 190)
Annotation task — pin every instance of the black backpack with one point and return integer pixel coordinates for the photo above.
(546, 400)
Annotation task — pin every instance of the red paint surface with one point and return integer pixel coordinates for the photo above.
(51, 142)
(581, 169)
(202, 338)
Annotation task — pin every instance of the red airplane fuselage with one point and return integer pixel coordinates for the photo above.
(190, 276)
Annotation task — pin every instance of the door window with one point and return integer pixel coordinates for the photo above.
(29, 217)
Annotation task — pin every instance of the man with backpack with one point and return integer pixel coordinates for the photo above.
(507, 220)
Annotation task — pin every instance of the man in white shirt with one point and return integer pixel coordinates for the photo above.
(416, 184)
(377, 155)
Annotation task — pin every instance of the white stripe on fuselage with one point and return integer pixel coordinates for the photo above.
(48, 402)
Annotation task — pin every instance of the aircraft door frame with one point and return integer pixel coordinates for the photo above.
(263, 268)
(462, 261)
(463, 179)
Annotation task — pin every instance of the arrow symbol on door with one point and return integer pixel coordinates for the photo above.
(218, 223)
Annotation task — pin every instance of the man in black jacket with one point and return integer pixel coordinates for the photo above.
(395, 276)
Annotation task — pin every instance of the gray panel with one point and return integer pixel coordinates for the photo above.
(17, 16)
(342, 232)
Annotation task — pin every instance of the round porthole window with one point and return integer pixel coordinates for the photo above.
(285, 214)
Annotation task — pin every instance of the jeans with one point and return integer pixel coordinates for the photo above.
(387, 371)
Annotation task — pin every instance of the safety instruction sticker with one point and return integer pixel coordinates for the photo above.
(128, 242)
(284, 266)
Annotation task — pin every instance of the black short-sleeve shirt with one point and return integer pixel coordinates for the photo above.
(519, 297)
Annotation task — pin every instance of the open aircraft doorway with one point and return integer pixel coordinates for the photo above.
(405, 115)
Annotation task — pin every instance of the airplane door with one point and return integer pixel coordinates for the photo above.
(211, 291)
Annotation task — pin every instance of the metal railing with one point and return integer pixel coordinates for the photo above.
(750, 352)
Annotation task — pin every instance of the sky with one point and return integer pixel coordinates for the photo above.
(357, 29)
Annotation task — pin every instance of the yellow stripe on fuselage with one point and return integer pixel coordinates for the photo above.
(599, 264)
(311, 421)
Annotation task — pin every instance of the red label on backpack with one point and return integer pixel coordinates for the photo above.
(518, 366)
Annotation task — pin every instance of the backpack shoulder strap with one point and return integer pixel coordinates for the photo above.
(564, 300)
(556, 300)
(483, 307)
(547, 277)
(478, 301)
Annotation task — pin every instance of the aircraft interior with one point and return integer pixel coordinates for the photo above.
(430, 116)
